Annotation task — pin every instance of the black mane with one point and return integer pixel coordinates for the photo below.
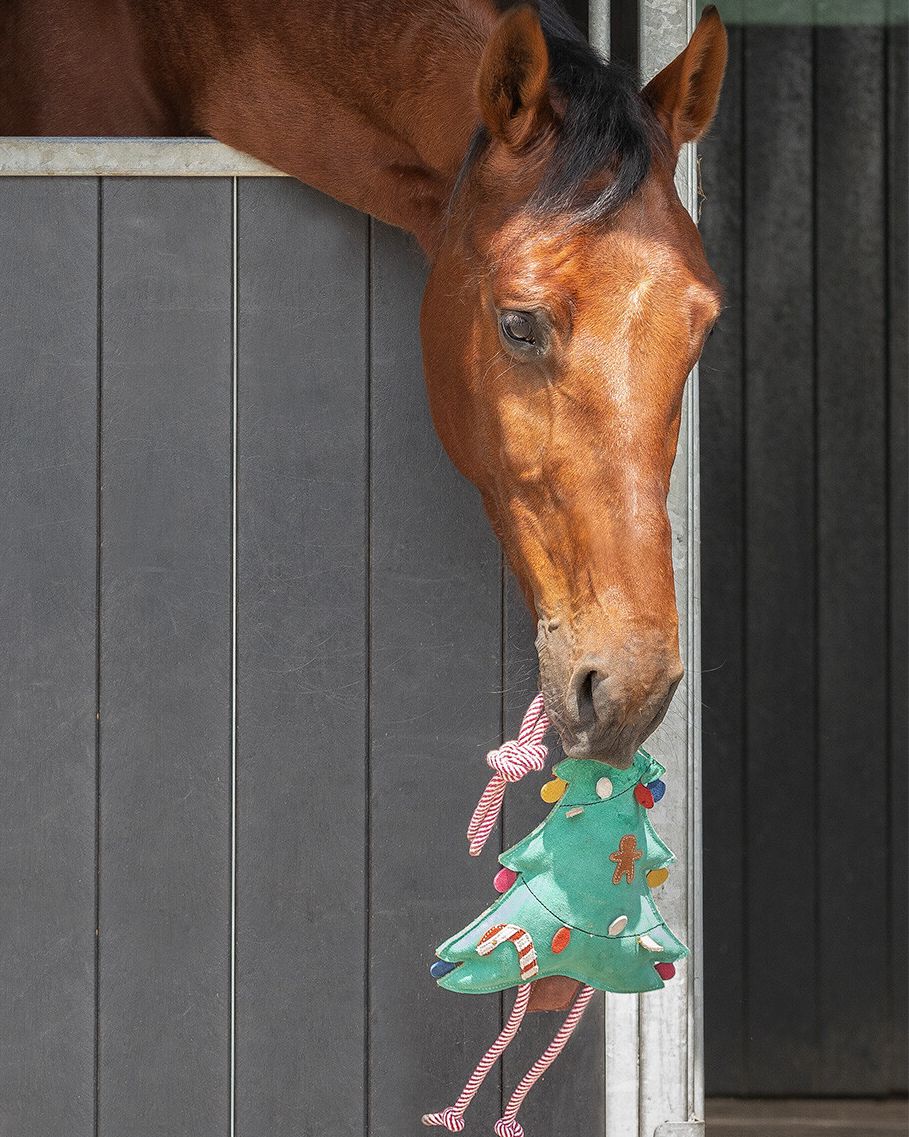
(606, 127)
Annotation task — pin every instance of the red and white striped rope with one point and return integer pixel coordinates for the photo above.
(508, 1125)
(523, 942)
(511, 762)
(453, 1117)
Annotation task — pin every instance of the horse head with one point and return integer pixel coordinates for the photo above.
(569, 298)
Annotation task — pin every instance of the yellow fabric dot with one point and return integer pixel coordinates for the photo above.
(656, 877)
(553, 790)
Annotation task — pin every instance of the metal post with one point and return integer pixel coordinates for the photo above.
(599, 16)
(654, 1042)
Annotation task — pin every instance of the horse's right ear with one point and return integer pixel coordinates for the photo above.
(513, 79)
(684, 95)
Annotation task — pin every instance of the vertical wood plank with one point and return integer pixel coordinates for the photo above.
(852, 797)
(722, 225)
(898, 474)
(573, 1099)
(780, 558)
(435, 660)
(48, 420)
(301, 662)
(165, 658)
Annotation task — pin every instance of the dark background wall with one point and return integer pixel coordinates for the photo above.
(804, 515)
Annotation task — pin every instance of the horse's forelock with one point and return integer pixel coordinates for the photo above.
(607, 134)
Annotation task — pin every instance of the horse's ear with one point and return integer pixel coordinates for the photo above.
(685, 94)
(513, 79)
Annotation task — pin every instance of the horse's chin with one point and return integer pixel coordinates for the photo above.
(615, 748)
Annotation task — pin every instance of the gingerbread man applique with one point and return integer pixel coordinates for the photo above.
(624, 857)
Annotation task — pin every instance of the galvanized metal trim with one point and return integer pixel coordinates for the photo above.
(599, 19)
(126, 158)
(654, 1043)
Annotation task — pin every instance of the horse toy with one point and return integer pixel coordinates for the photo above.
(575, 900)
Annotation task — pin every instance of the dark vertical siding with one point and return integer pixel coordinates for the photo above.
(804, 566)
(301, 662)
(48, 417)
(852, 792)
(897, 254)
(780, 561)
(164, 788)
(723, 585)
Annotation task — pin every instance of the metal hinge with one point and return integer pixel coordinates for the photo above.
(680, 1129)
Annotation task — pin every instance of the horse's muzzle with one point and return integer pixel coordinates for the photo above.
(604, 704)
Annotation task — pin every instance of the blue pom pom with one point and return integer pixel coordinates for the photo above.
(441, 968)
(657, 788)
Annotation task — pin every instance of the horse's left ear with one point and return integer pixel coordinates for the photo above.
(685, 94)
(513, 78)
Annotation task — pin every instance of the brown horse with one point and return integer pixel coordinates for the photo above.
(569, 295)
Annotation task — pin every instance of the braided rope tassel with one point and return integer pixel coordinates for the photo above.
(507, 1125)
(453, 1117)
(511, 762)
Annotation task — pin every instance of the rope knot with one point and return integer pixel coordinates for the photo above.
(510, 762)
(505, 1128)
(514, 759)
(450, 1118)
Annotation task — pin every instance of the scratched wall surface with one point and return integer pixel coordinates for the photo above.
(224, 503)
(803, 508)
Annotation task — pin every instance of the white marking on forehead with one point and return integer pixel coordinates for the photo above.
(638, 293)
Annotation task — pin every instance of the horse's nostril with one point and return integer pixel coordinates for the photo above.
(585, 680)
(585, 696)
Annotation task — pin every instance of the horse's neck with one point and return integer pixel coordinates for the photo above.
(86, 68)
(372, 103)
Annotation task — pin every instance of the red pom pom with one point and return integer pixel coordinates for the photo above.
(664, 970)
(643, 796)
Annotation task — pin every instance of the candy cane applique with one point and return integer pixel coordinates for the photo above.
(503, 933)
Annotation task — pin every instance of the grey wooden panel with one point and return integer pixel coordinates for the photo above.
(48, 417)
(301, 663)
(435, 629)
(571, 1099)
(852, 797)
(165, 658)
(722, 394)
(898, 418)
(780, 561)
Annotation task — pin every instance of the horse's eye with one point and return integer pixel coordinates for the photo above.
(520, 331)
(518, 326)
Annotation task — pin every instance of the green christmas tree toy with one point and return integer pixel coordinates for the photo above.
(576, 899)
